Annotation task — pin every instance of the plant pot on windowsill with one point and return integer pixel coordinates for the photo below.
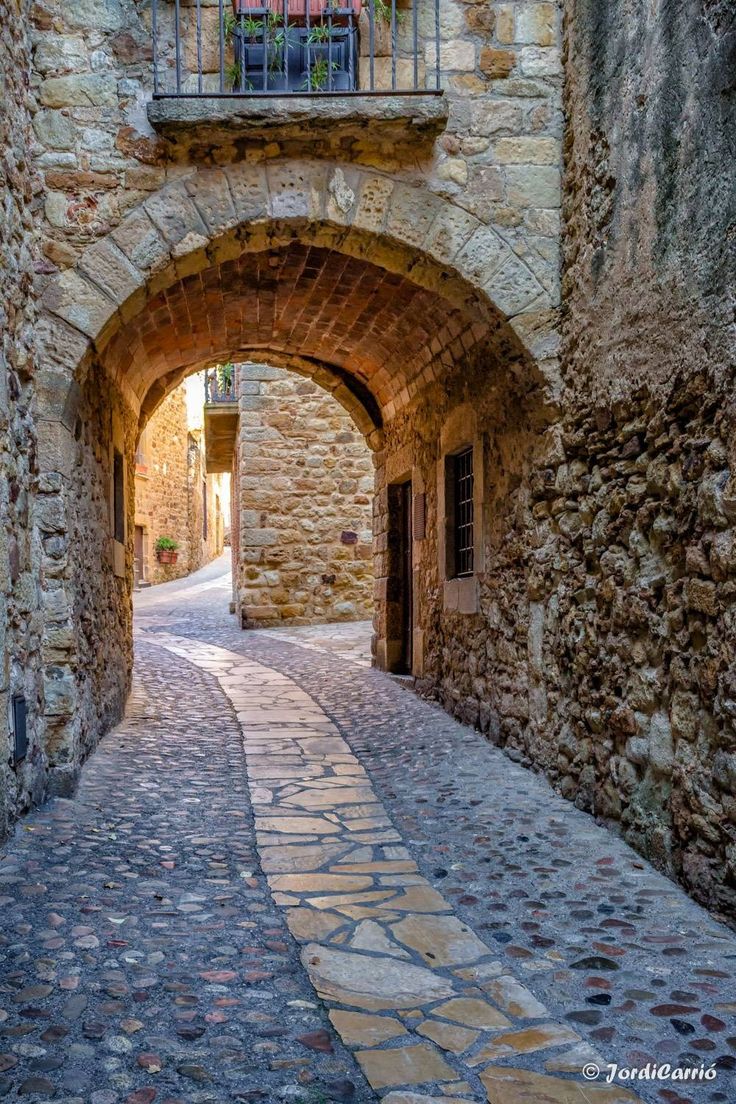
(167, 557)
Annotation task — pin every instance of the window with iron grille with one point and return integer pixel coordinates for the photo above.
(461, 502)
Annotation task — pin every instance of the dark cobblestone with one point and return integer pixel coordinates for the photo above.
(141, 957)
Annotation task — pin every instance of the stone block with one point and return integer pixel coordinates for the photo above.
(533, 186)
(661, 745)
(75, 299)
(411, 213)
(702, 596)
(342, 188)
(211, 194)
(481, 256)
(540, 61)
(505, 23)
(513, 287)
(249, 190)
(494, 117)
(536, 24)
(454, 169)
(527, 151)
(176, 216)
(59, 692)
(54, 129)
(97, 15)
(296, 190)
(141, 242)
(60, 54)
(79, 90)
(457, 55)
(496, 64)
(449, 233)
(202, 54)
(383, 74)
(111, 270)
(373, 203)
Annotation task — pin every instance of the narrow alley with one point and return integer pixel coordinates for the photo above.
(257, 894)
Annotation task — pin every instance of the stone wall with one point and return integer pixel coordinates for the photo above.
(20, 550)
(305, 479)
(602, 648)
(640, 504)
(170, 496)
(162, 490)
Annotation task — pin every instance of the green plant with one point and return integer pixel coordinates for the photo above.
(383, 11)
(225, 375)
(166, 544)
(320, 32)
(253, 28)
(318, 74)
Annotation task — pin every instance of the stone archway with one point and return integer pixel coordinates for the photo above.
(377, 289)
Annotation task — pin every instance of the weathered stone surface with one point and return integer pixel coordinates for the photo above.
(441, 940)
(368, 982)
(471, 1012)
(408, 119)
(298, 447)
(360, 1029)
(410, 1065)
(510, 1086)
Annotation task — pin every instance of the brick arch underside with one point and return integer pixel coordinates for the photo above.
(371, 337)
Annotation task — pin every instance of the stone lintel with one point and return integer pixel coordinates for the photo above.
(415, 118)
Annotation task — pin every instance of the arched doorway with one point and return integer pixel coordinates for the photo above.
(414, 324)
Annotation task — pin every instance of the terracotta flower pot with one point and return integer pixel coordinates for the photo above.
(165, 555)
(297, 9)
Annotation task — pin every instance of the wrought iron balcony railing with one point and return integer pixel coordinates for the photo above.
(295, 47)
(219, 385)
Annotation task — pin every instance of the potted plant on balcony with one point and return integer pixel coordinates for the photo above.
(166, 550)
(259, 41)
(283, 47)
(225, 376)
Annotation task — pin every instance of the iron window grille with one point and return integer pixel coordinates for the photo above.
(462, 514)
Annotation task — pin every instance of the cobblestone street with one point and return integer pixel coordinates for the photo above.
(285, 877)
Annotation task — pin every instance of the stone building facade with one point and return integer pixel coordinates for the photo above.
(406, 254)
(303, 492)
(24, 628)
(174, 495)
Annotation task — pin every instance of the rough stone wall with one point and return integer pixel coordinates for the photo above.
(162, 493)
(169, 495)
(305, 487)
(203, 548)
(602, 650)
(637, 572)
(20, 547)
(91, 609)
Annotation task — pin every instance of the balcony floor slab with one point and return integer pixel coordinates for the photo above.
(191, 122)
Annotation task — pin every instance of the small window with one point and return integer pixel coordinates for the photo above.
(118, 497)
(204, 509)
(460, 513)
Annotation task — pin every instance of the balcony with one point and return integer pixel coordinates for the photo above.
(220, 418)
(282, 67)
